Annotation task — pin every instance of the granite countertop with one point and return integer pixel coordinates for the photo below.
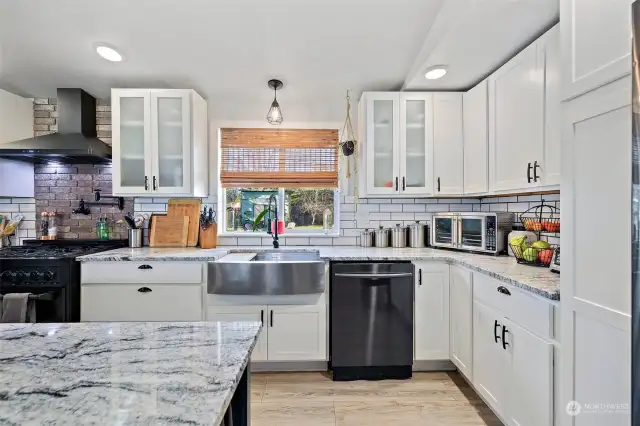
(536, 280)
(121, 373)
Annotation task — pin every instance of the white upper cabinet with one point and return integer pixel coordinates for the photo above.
(549, 46)
(416, 134)
(16, 123)
(159, 142)
(476, 139)
(516, 121)
(382, 143)
(447, 144)
(596, 41)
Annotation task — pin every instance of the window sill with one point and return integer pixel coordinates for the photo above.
(285, 235)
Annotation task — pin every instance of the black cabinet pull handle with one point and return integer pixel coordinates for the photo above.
(528, 172)
(504, 341)
(438, 184)
(145, 290)
(419, 276)
(535, 171)
(146, 183)
(504, 290)
(145, 267)
(262, 316)
(396, 184)
(403, 184)
(155, 186)
(496, 325)
(271, 318)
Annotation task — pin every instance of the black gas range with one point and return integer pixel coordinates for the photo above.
(49, 271)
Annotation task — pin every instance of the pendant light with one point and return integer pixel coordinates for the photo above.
(274, 116)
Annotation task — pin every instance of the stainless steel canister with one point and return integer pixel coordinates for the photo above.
(399, 236)
(366, 238)
(417, 234)
(382, 237)
(135, 237)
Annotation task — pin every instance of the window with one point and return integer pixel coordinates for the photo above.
(305, 210)
(298, 166)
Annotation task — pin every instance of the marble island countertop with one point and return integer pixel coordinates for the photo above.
(536, 280)
(121, 373)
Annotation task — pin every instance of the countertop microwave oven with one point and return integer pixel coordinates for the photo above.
(471, 231)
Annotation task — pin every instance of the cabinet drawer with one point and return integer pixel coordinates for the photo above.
(141, 272)
(525, 310)
(141, 302)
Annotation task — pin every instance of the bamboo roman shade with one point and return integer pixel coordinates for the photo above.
(279, 158)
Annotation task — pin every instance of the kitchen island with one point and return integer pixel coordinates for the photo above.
(148, 373)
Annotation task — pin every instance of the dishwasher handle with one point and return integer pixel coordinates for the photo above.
(376, 276)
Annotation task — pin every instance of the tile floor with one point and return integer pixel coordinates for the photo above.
(312, 399)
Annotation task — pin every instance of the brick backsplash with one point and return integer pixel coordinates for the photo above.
(45, 118)
(60, 189)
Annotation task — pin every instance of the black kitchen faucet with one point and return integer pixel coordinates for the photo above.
(273, 198)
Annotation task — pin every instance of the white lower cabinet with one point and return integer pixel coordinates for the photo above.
(461, 320)
(141, 302)
(297, 333)
(244, 313)
(431, 312)
(512, 369)
(289, 333)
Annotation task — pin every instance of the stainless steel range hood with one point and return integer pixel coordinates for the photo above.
(76, 140)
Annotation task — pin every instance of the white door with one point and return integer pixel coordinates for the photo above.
(382, 143)
(596, 41)
(416, 143)
(516, 121)
(596, 301)
(530, 386)
(297, 333)
(550, 53)
(490, 361)
(244, 313)
(461, 320)
(476, 139)
(171, 139)
(431, 313)
(131, 141)
(448, 144)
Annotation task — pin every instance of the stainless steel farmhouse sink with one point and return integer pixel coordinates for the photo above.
(269, 273)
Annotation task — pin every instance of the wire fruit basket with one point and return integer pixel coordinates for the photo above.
(542, 218)
(534, 255)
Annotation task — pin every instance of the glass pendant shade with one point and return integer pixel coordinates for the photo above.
(274, 116)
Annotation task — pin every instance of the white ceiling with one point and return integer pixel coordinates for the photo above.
(228, 49)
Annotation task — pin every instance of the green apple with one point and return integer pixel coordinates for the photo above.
(541, 245)
(530, 254)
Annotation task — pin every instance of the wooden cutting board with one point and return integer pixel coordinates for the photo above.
(187, 207)
(169, 231)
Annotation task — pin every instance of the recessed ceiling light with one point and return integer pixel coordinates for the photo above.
(436, 72)
(108, 53)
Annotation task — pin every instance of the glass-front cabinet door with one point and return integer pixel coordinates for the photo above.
(171, 138)
(382, 145)
(416, 143)
(132, 168)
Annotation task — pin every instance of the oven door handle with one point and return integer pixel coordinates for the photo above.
(375, 276)
(38, 297)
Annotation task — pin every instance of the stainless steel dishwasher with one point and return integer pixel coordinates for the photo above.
(371, 327)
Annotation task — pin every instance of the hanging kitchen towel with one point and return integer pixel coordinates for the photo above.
(15, 307)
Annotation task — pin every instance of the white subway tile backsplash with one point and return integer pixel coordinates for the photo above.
(426, 201)
(414, 208)
(391, 207)
(367, 208)
(379, 200)
(518, 207)
(437, 207)
(345, 241)
(28, 207)
(380, 216)
(499, 207)
(5, 200)
(296, 241)
(403, 201)
(249, 241)
(346, 224)
(9, 208)
(450, 201)
(344, 233)
(550, 197)
(227, 241)
(529, 198)
(321, 241)
(462, 207)
(347, 208)
(402, 216)
(508, 199)
(423, 217)
(154, 207)
(347, 216)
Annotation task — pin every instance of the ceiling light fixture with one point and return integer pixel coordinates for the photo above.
(274, 116)
(436, 72)
(108, 52)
